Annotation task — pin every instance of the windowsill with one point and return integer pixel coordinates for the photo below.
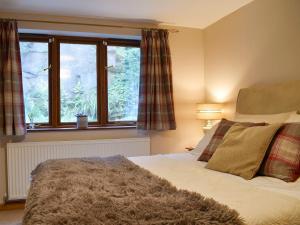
(41, 129)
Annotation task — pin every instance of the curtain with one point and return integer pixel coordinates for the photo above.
(156, 107)
(12, 120)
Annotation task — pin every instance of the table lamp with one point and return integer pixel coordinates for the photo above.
(209, 112)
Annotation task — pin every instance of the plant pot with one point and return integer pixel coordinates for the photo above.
(82, 122)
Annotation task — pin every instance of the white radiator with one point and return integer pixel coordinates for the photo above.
(23, 157)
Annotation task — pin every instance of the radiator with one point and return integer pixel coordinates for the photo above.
(23, 157)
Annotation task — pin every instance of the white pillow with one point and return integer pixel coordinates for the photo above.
(204, 141)
(267, 118)
(293, 118)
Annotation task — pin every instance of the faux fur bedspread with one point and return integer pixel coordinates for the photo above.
(114, 191)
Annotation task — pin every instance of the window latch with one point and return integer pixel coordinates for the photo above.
(109, 67)
(104, 43)
(51, 40)
(47, 68)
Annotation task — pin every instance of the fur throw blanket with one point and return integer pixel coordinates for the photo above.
(114, 191)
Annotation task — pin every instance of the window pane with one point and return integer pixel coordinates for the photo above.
(34, 57)
(78, 81)
(123, 82)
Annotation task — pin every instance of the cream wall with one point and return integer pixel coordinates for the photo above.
(188, 84)
(259, 43)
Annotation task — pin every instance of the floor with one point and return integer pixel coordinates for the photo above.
(11, 217)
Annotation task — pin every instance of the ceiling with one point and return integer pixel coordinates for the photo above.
(188, 13)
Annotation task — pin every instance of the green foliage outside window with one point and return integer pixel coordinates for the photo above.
(123, 83)
(79, 94)
(34, 57)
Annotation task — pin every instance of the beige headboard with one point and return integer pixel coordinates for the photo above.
(269, 99)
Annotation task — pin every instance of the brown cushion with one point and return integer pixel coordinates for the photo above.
(242, 150)
(283, 158)
(217, 138)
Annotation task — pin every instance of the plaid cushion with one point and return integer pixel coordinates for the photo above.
(283, 158)
(218, 137)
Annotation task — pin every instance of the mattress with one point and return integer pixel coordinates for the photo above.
(260, 201)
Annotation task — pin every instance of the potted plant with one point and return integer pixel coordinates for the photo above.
(82, 121)
(30, 117)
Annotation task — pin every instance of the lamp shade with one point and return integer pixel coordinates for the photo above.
(209, 111)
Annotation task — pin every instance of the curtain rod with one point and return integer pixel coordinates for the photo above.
(93, 24)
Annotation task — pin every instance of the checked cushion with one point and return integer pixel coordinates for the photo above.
(217, 138)
(283, 157)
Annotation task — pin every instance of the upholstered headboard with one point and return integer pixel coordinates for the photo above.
(269, 99)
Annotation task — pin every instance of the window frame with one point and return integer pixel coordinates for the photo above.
(101, 73)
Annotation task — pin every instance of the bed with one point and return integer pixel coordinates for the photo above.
(259, 201)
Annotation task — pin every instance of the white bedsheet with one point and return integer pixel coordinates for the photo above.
(260, 201)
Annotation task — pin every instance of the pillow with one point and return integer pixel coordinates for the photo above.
(242, 150)
(204, 141)
(283, 158)
(293, 118)
(267, 118)
(217, 138)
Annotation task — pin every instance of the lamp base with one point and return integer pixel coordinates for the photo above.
(208, 125)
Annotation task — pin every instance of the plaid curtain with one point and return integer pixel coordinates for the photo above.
(156, 107)
(11, 93)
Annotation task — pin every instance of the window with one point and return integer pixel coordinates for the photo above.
(78, 81)
(123, 86)
(64, 76)
(34, 56)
